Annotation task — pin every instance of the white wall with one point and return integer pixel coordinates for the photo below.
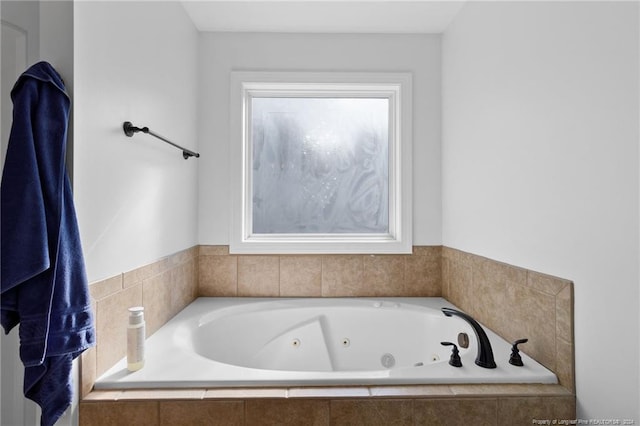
(20, 48)
(223, 52)
(540, 167)
(56, 47)
(136, 197)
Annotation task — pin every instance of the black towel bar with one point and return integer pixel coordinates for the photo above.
(130, 129)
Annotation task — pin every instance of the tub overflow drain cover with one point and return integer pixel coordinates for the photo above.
(387, 360)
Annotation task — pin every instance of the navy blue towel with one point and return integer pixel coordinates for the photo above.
(43, 279)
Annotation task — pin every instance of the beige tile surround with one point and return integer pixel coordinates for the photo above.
(164, 288)
(515, 303)
(373, 405)
(416, 274)
(512, 301)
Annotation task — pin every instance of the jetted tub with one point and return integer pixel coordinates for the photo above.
(232, 342)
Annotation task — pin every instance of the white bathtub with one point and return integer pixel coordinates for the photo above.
(324, 341)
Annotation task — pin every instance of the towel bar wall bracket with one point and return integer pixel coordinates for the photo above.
(130, 130)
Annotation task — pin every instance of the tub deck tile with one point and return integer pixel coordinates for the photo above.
(336, 392)
(329, 392)
(415, 391)
(103, 395)
(508, 390)
(156, 394)
(245, 393)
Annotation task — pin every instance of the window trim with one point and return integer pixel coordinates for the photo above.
(397, 87)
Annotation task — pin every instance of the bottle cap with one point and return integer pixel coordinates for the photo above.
(136, 315)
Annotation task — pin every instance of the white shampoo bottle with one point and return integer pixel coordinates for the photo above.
(135, 339)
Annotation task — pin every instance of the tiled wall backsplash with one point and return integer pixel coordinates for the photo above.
(164, 288)
(512, 301)
(515, 303)
(416, 274)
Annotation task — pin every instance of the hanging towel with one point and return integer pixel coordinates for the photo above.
(43, 279)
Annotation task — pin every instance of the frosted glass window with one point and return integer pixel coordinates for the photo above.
(320, 165)
(320, 162)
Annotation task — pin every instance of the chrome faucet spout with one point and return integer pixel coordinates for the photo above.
(485, 352)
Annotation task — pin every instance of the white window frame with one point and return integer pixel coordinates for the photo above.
(397, 87)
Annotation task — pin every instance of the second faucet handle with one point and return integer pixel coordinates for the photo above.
(455, 354)
(515, 358)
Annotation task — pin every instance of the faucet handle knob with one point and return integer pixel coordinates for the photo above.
(455, 354)
(515, 358)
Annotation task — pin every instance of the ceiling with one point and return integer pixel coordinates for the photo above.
(323, 16)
